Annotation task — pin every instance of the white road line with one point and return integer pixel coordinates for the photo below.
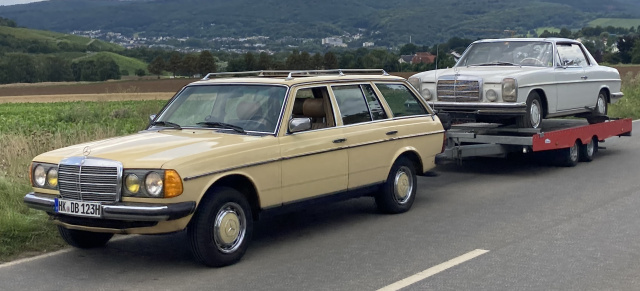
(433, 270)
(636, 120)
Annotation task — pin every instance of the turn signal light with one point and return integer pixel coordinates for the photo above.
(172, 184)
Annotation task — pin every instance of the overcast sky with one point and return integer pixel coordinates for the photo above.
(13, 2)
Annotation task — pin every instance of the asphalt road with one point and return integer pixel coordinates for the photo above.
(544, 227)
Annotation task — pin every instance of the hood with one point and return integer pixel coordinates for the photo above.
(490, 74)
(153, 149)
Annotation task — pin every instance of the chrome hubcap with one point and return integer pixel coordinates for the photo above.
(403, 185)
(601, 105)
(534, 114)
(573, 152)
(590, 148)
(229, 228)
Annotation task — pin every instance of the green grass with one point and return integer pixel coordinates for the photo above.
(540, 30)
(28, 129)
(55, 37)
(125, 63)
(615, 22)
(629, 105)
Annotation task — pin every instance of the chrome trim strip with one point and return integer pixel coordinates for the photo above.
(306, 154)
(479, 105)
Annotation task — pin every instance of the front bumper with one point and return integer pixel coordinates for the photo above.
(122, 211)
(481, 108)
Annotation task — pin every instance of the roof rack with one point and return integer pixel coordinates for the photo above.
(299, 73)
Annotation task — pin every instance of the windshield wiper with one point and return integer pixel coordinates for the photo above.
(166, 124)
(222, 125)
(496, 64)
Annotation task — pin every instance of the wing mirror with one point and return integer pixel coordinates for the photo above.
(299, 124)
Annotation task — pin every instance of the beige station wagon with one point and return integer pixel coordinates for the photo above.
(225, 151)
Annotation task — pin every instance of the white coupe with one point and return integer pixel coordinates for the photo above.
(522, 80)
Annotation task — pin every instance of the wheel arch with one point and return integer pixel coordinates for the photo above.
(240, 183)
(412, 155)
(607, 93)
(543, 99)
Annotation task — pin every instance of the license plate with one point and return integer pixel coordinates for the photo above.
(78, 208)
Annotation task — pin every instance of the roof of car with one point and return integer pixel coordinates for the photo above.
(551, 39)
(296, 77)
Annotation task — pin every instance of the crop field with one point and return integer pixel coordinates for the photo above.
(615, 22)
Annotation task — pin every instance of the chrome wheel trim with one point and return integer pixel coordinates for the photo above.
(573, 152)
(402, 185)
(534, 114)
(601, 105)
(590, 148)
(230, 227)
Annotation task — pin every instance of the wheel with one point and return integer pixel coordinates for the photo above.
(569, 157)
(533, 116)
(220, 231)
(399, 191)
(84, 239)
(601, 109)
(588, 150)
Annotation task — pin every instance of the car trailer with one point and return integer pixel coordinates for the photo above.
(569, 140)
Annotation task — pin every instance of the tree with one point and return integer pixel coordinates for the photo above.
(264, 62)
(330, 61)
(250, 63)
(293, 60)
(156, 66)
(189, 65)
(206, 63)
(304, 61)
(316, 61)
(635, 52)
(175, 63)
(408, 49)
(140, 72)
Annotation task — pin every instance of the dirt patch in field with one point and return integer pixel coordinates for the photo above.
(111, 87)
(86, 97)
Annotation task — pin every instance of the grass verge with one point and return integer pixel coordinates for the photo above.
(629, 105)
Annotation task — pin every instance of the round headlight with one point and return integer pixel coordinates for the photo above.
(52, 177)
(492, 95)
(153, 182)
(39, 176)
(426, 94)
(132, 182)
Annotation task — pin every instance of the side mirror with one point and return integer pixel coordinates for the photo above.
(299, 124)
(151, 118)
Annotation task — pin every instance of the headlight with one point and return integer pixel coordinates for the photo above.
(132, 183)
(39, 176)
(509, 90)
(492, 95)
(426, 94)
(153, 183)
(52, 177)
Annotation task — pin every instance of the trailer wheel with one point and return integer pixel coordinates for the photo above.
(569, 157)
(399, 192)
(587, 151)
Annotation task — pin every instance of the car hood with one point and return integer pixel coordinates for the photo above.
(489, 74)
(156, 149)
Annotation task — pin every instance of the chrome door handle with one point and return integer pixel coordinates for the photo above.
(392, 132)
(584, 77)
(339, 140)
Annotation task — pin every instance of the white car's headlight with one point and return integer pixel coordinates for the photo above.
(426, 94)
(509, 90)
(153, 183)
(492, 95)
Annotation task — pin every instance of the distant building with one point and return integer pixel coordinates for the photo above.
(405, 59)
(333, 41)
(367, 44)
(418, 58)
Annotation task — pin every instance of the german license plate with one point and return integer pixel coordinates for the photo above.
(78, 208)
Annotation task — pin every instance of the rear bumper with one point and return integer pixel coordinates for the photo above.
(123, 211)
(614, 97)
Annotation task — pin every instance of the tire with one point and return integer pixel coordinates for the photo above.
(569, 157)
(588, 151)
(399, 191)
(221, 229)
(601, 109)
(533, 116)
(84, 239)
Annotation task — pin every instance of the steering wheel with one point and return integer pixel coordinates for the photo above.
(533, 61)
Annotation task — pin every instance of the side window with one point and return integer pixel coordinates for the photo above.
(375, 107)
(401, 100)
(314, 103)
(571, 55)
(352, 104)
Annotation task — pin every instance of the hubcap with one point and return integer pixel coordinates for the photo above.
(573, 152)
(534, 114)
(601, 105)
(229, 228)
(590, 148)
(403, 185)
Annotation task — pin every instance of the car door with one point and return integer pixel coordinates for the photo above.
(573, 94)
(314, 162)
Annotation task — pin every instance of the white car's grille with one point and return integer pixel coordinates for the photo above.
(459, 90)
(89, 179)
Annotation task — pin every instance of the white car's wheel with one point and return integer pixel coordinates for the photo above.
(533, 117)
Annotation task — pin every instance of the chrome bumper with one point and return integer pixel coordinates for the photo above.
(614, 97)
(127, 211)
(481, 107)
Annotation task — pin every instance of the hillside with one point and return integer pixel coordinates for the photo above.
(388, 22)
(15, 39)
(124, 63)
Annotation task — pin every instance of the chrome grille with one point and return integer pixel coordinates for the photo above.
(89, 179)
(459, 89)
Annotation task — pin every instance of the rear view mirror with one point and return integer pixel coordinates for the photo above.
(299, 124)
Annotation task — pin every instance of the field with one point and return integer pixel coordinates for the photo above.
(124, 63)
(615, 22)
(55, 117)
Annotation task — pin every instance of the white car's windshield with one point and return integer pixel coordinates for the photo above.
(509, 53)
(239, 108)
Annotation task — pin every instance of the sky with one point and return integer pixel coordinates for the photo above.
(13, 2)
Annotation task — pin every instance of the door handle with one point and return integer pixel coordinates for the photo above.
(392, 132)
(584, 77)
(339, 140)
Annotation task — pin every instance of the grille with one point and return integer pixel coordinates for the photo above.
(458, 90)
(78, 179)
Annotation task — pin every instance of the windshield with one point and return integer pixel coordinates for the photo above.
(504, 53)
(238, 107)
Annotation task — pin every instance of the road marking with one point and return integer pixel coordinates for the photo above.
(433, 270)
(636, 120)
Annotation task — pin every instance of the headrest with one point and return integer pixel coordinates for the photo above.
(313, 107)
(297, 106)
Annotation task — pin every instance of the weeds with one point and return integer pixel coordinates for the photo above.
(629, 105)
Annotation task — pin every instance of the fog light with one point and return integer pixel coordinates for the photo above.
(132, 182)
(492, 95)
(52, 177)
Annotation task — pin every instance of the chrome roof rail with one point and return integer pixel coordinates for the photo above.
(298, 73)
